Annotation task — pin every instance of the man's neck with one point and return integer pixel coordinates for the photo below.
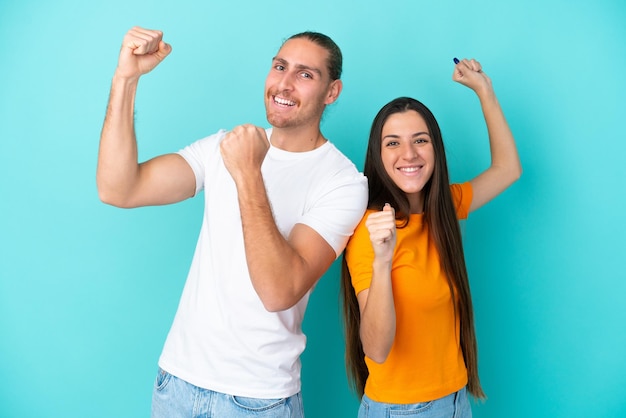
(297, 139)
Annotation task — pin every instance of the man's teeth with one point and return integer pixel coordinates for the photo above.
(284, 102)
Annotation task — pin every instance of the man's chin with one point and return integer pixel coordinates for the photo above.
(278, 122)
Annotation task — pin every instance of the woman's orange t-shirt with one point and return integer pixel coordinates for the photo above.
(425, 362)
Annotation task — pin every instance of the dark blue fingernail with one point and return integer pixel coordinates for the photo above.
(456, 60)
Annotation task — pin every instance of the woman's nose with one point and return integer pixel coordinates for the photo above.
(408, 151)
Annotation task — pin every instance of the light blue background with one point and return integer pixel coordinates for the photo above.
(88, 292)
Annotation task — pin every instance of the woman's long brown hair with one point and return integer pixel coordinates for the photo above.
(443, 225)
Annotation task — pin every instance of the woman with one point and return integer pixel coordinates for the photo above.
(409, 346)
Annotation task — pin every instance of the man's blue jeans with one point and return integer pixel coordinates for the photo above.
(173, 398)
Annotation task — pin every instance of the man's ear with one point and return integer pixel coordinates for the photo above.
(333, 91)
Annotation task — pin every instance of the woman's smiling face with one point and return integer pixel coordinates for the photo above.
(408, 155)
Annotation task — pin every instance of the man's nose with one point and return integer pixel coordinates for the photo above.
(286, 81)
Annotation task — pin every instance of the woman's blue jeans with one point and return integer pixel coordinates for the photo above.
(455, 405)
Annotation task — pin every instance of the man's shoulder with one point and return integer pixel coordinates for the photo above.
(334, 156)
(205, 144)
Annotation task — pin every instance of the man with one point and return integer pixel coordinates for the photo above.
(280, 204)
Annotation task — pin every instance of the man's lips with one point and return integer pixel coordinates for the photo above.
(283, 102)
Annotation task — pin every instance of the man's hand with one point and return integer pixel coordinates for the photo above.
(142, 50)
(243, 150)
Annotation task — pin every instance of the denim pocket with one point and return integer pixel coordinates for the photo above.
(162, 379)
(412, 410)
(259, 405)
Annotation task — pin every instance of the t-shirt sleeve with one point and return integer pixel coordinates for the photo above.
(462, 196)
(198, 155)
(339, 210)
(359, 256)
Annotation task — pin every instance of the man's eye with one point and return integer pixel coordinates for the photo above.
(279, 67)
(306, 75)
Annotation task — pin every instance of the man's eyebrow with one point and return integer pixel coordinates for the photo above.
(298, 66)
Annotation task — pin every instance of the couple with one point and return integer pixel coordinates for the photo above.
(281, 204)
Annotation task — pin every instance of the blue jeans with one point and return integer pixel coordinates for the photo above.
(455, 405)
(174, 398)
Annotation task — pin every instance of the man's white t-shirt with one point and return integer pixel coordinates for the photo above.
(222, 337)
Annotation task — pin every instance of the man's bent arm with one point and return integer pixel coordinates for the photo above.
(120, 179)
(282, 270)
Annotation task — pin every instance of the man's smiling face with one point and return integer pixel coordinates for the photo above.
(298, 86)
